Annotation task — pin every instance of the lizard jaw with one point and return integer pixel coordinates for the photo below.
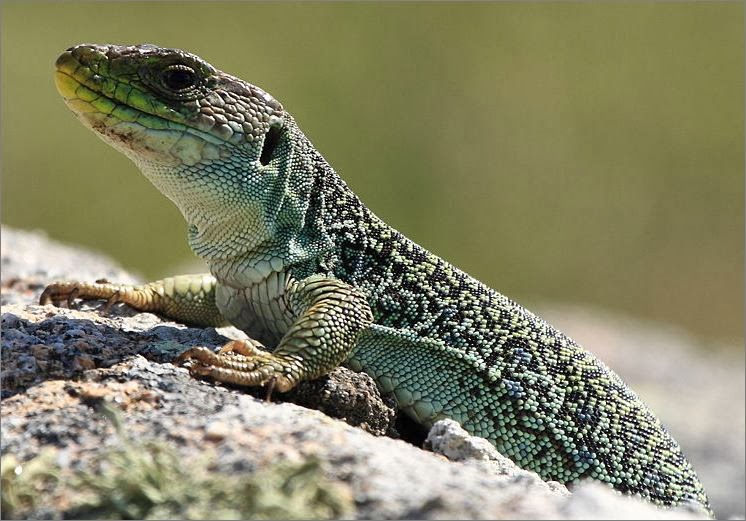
(136, 133)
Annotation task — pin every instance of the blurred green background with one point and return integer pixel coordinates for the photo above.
(579, 153)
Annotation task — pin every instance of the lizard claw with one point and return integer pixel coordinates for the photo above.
(247, 348)
(59, 292)
(195, 353)
(240, 362)
(111, 301)
(71, 298)
(70, 293)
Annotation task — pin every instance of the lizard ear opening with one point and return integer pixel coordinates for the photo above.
(271, 140)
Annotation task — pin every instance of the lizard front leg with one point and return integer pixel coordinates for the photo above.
(189, 299)
(330, 316)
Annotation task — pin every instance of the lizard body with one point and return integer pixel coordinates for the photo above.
(301, 265)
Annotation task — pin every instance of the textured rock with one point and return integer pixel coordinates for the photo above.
(30, 260)
(448, 438)
(82, 383)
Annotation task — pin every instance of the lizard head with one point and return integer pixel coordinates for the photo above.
(164, 105)
(217, 146)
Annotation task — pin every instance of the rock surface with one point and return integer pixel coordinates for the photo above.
(84, 392)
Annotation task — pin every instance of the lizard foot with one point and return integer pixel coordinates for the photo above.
(67, 293)
(242, 362)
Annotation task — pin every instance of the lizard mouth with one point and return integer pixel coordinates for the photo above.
(124, 115)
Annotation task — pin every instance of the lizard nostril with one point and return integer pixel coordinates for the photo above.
(86, 53)
(65, 60)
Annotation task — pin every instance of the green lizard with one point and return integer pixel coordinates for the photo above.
(303, 267)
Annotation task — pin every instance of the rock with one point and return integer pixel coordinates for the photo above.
(83, 362)
(40, 351)
(95, 399)
(447, 437)
(593, 500)
(218, 430)
(31, 255)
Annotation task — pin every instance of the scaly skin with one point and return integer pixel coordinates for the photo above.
(301, 265)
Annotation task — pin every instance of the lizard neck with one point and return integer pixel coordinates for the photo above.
(225, 218)
(243, 213)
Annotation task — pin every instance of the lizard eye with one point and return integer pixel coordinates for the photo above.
(178, 77)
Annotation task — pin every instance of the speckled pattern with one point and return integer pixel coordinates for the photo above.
(262, 202)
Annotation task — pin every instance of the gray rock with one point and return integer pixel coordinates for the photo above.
(67, 372)
(447, 437)
(32, 255)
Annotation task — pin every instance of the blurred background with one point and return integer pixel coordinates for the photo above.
(590, 153)
(567, 154)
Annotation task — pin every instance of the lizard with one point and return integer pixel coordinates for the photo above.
(317, 280)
